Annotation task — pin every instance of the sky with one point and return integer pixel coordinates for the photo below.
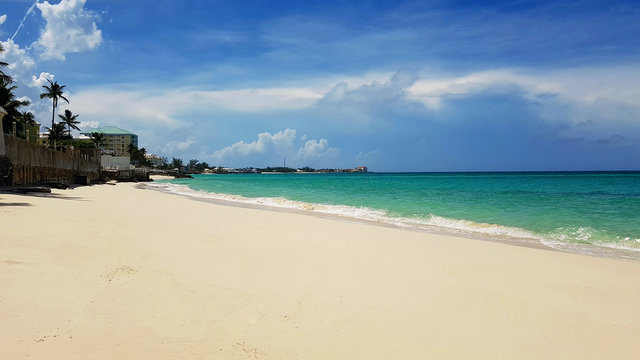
(392, 85)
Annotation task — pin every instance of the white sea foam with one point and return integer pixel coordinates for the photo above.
(433, 222)
(562, 239)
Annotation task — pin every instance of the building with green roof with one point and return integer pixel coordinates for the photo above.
(116, 140)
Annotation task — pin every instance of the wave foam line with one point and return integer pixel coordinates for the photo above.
(433, 223)
(362, 213)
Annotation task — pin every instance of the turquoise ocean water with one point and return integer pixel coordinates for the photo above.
(595, 213)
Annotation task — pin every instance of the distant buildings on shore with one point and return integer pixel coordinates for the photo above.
(359, 169)
(281, 170)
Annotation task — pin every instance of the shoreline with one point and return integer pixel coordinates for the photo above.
(123, 272)
(530, 242)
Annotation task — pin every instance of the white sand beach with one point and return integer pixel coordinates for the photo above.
(120, 272)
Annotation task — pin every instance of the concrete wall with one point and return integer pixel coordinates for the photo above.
(116, 162)
(35, 164)
(134, 174)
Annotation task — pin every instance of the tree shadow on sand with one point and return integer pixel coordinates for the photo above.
(14, 204)
(38, 194)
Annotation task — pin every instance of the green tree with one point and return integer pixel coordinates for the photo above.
(201, 166)
(54, 92)
(97, 138)
(131, 149)
(177, 163)
(26, 120)
(138, 156)
(10, 104)
(193, 163)
(57, 133)
(69, 119)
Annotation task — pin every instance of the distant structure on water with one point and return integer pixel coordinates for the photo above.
(116, 140)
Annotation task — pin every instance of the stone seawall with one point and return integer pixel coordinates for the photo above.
(35, 164)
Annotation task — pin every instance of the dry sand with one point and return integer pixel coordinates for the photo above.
(119, 272)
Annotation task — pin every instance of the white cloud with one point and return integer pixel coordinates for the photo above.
(260, 99)
(3, 18)
(114, 107)
(20, 63)
(89, 125)
(70, 28)
(281, 140)
(270, 148)
(432, 92)
(175, 146)
(41, 80)
(581, 85)
(149, 107)
(167, 108)
(372, 92)
(316, 148)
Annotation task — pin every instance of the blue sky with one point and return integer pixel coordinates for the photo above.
(392, 85)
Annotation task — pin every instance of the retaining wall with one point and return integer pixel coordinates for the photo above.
(35, 164)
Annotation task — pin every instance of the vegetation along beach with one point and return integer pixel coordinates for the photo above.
(319, 180)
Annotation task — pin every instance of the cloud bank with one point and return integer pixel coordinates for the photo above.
(566, 119)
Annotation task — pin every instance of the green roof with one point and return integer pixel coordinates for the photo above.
(109, 130)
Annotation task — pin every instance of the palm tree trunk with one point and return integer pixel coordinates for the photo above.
(53, 112)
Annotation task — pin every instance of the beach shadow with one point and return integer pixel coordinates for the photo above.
(41, 195)
(15, 204)
(39, 191)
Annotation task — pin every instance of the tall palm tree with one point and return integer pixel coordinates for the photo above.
(54, 92)
(70, 120)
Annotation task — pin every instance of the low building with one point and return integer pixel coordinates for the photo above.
(116, 140)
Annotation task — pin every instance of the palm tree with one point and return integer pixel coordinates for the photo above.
(70, 120)
(10, 104)
(97, 138)
(57, 132)
(177, 163)
(27, 119)
(54, 92)
(193, 163)
(132, 149)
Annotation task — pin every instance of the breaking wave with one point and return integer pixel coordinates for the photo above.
(582, 240)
